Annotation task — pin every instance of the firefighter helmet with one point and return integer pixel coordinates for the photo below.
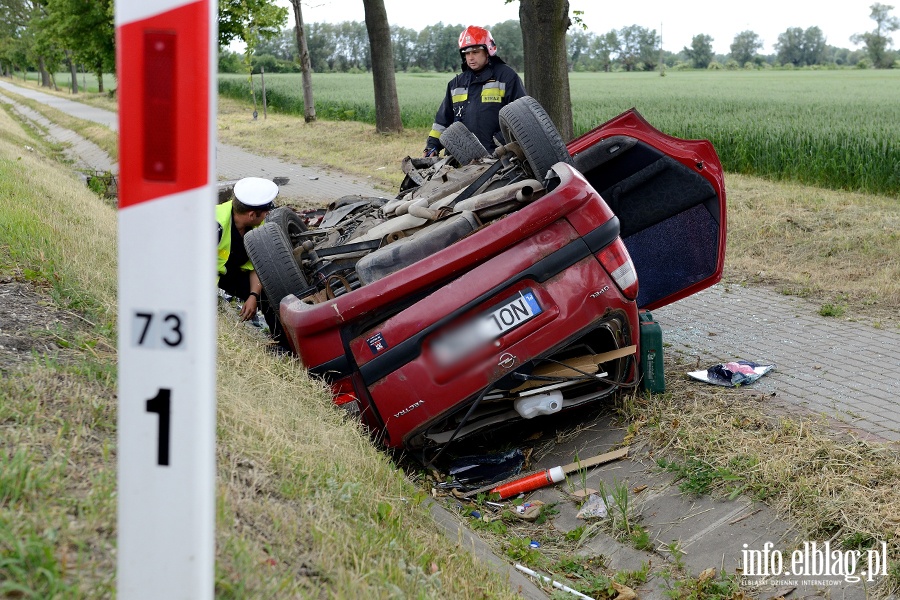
(477, 36)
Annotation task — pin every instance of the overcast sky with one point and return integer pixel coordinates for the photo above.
(679, 22)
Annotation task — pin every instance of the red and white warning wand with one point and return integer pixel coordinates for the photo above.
(555, 474)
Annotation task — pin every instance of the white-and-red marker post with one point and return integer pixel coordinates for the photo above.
(166, 59)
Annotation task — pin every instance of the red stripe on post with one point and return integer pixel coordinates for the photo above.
(163, 77)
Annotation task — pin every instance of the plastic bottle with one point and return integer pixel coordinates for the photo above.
(539, 404)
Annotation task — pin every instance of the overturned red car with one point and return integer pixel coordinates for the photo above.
(502, 287)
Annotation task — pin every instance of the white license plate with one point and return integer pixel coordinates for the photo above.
(512, 313)
(508, 315)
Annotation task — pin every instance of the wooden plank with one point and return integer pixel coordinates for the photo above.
(588, 363)
(596, 460)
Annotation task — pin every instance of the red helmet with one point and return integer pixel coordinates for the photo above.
(477, 36)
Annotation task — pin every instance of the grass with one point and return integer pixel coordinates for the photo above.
(831, 128)
(832, 486)
(104, 137)
(835, 248)
(291, 494)
(306, 506)
(346, 146)
(696, 477)
(832, 247)
(87, 82)
(836, 129)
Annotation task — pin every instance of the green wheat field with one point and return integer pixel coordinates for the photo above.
(838, 129)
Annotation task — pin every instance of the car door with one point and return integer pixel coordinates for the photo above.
(669, 196)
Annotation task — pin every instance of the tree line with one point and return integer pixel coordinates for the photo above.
(48, 36)
(49, 33)
(344, 47)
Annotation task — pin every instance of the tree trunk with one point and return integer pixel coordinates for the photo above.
(309, 105)
(100, 81)
(45, 76)
(387, 107)
(72, 71)
(544, 24)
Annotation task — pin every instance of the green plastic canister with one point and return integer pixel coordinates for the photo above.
(653, 378)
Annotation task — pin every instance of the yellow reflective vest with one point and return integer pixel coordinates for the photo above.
(223, 217)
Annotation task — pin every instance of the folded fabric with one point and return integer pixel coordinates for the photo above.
(732, 374)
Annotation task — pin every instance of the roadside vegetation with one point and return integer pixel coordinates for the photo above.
(836, 248)
(831, 485)
(835, 129)
(101, 135)
(306, 505)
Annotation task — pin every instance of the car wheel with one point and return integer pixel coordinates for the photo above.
(462, 144)
(273, 259)
(289, 221)
(527, 123)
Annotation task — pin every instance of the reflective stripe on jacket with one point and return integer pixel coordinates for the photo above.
(476, 100)
(223, 218)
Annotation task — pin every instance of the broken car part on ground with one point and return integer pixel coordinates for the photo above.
(496, 288)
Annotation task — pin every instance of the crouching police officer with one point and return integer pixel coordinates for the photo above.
(476, 95)
(253, 198)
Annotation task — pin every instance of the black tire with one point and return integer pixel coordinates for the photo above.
(289, 221)
(462, 144)
(273, 259)
(527, 123)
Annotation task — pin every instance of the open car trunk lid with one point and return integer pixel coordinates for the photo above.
(669, 196)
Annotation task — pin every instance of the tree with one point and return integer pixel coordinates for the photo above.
(387, 107)
(878, 41)
(438, 45)
(320, 40)
(789, 47)
(701, 52)
(87, 30)
(638, 48)
(605, 47)
(14, 36)
(508, 35)
(744, 47)
(249, 21)
(578, 44)
(309, 105)
(42, 48)
(801, 48)
(352, 50)
(282, 46)
(814, 45)
(403, 41)
(544, 24)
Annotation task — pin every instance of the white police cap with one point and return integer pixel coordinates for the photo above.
(256, 192)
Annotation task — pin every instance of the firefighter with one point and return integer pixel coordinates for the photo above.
(476, 95)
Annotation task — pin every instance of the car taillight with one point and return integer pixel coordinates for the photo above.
(617, 262)
(343, 392)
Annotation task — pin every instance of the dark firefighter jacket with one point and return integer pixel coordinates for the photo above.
(476, 100)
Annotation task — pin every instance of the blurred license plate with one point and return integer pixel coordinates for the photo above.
(509, 314)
